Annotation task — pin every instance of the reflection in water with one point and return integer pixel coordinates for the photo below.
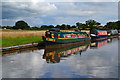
(99, 44)
(54, 56)
(101, 62)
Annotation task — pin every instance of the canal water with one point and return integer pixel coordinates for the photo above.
(82, 60)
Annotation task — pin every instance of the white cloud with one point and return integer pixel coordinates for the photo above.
(58, 13)
(80, 13)
(8, 19)
(66, 20)
(38, 9)
(32, 21)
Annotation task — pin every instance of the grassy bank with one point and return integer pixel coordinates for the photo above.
(16, 37)
(17, 41)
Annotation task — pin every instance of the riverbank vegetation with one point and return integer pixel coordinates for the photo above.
(88, 25)
(16, 37)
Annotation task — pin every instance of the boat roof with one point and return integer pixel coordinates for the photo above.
(98, 30)
(54, 29)
(72, 32)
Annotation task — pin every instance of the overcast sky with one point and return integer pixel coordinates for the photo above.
(37, 13)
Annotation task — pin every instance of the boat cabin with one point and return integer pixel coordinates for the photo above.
(56, 33)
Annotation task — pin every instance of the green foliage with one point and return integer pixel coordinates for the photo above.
(84, 26)
(58, 26)
(92, 24)
(73, 26)
(43, 27)
(64, 27)
(79, 25)
(21, 25)
(6, 27)
(88, 25)
(50, 26)
(35, 28)
(110, 25)
(118, 25)
(74, 29)
(68, 26)
(113, 25)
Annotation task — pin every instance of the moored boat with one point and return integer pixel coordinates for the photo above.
(56, 36)
(98, 33)
(112, 32)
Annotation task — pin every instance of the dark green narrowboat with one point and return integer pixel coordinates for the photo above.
(56, 36)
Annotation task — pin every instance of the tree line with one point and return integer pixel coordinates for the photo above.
(88, 25)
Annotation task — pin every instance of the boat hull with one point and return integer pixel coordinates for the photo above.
(57, 40)
(99, 36)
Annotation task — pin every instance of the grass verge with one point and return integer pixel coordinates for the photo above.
(20, 40)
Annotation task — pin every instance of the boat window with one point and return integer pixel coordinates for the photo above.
(55, 34)
(48, 34)
(93, 32)
(74, 35)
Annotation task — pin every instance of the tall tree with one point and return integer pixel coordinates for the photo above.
(118, 25)
(44, 27)
(50, 26)
(111, 25)
(58, 26)
(68, 26)
(92, 24)
(73, 26)
(21, 25)
(84, 26)
(64, 27)
(79, 25)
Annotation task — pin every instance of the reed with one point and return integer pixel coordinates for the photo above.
(22, 34)
(16, 37)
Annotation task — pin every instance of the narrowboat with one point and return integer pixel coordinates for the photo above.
(98, 33)
(54, 35)
(112, 32)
